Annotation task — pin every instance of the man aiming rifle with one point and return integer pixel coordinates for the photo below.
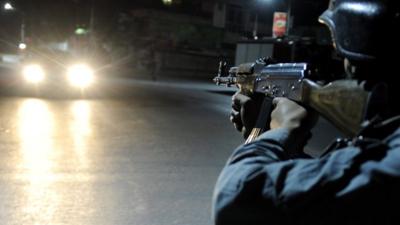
(269, 180)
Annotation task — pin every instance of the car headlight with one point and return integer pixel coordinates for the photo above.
(80, 75)
(33, 73)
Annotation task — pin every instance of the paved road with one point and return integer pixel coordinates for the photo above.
(150, 157)
(142, 153)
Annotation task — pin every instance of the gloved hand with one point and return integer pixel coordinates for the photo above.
(296, 119)
(245, 111)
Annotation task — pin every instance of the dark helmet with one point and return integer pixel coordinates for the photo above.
(363, 30)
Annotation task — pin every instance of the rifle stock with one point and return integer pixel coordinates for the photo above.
(342, 102)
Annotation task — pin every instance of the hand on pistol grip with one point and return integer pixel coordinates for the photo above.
(245, 112)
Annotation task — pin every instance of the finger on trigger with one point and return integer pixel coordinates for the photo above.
(276, 101)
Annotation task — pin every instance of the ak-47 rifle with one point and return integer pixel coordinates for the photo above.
(344, 102)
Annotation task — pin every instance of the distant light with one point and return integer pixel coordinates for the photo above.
(22, 46)
(8, 6)
(33, 73)
(167, 2)
(255, 37)
(80, 31)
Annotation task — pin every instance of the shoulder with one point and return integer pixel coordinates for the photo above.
(393, 140)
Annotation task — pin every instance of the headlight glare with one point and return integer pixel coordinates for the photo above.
(80, 75)
(33, 73)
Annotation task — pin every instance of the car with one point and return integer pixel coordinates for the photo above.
(54, 71)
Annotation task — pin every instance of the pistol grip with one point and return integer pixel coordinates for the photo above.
(263, 120)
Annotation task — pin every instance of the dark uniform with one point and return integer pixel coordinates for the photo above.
(356, 184)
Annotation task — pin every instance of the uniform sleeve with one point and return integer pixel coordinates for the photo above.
(260, 184)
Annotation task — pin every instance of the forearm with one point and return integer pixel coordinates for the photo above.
(273, 146)
(237, 179)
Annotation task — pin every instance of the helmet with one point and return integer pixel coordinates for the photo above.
(363, 30)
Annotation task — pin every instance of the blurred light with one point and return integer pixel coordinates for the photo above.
(167, 2)
(367, 9)
(22, 46)
(255, 37)
(8, 6)
(80, 125)
(80, 31)
(33, 73)
(35, 123)
(81, 130)
(80, 75)
(36, 165)
(266, 1)
(81, 116)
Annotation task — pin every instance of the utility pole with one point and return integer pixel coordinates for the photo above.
(255, 30)
(91, 21)
(23, 28)
(289, 17)
(8, 6)
(292, 43)
(92, 43)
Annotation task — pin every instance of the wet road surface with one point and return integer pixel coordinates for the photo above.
(149, 157)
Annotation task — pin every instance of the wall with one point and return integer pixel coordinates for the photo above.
(249, 52)
(194, 65)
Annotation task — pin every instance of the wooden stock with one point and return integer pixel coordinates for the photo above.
(342, 102)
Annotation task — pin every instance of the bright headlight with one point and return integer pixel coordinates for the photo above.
(33, 73)
(80, 75)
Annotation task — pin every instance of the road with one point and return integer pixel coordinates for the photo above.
(143, 153)
(149, 157)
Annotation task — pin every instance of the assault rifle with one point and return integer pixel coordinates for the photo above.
(344, 102)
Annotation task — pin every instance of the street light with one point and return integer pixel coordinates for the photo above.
(9, 7)
(22, 46)
(255, 29)
(289, 17)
